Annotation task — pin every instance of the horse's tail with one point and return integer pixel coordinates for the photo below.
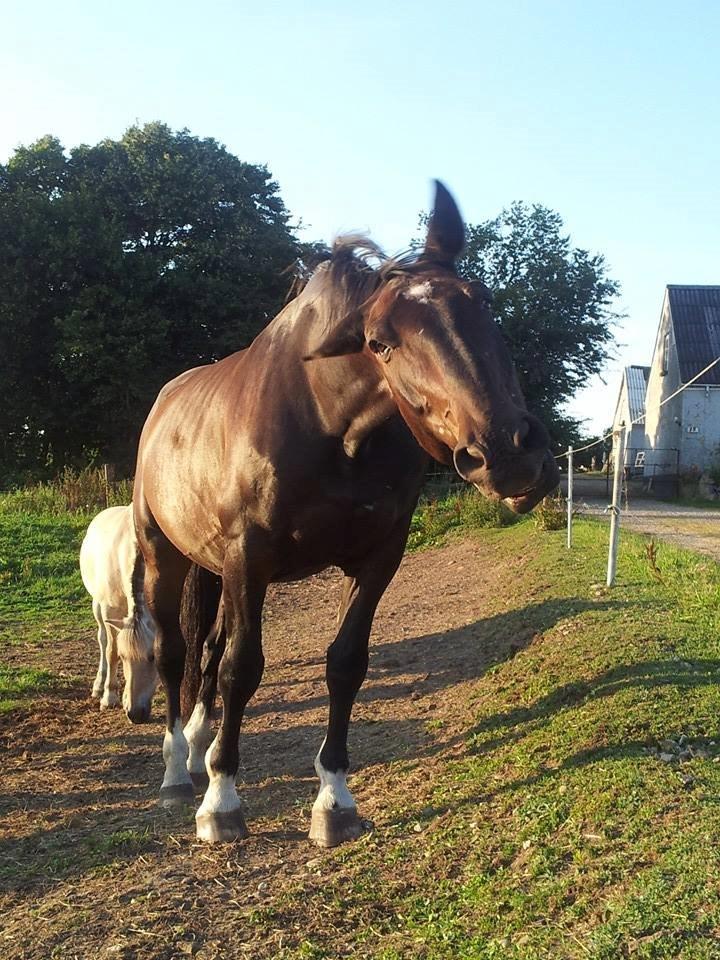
(198, 610)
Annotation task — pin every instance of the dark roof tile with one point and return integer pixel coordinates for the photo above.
(695, 313)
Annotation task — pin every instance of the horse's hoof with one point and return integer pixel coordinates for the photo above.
(221, 827)
(177, 795)
(201, 781)
(109, 703)
(328, 828)
(96, 694)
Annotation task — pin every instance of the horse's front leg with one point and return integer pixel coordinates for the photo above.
(220, 817)
(111, 695)
(334, 814)
(99, 684)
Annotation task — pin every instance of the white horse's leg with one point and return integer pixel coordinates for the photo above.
(110, 697)
(198, 733)
(102, 641)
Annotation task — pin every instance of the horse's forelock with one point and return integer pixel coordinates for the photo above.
(353, 271)
(136, 639)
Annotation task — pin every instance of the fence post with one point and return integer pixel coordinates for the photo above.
(569, 496)
(619, 448)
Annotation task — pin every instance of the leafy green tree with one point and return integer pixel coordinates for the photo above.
(122, 264)
(552, 301)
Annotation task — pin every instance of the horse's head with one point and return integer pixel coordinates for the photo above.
(434, 341)
(135, 643)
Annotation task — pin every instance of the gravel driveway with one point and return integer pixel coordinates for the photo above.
(693, 528)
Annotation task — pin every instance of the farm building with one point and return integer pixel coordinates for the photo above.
(630, 407)
(683, 434)
(688, 339)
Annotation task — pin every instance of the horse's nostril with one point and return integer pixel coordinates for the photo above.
(530, 435)
(469, 460)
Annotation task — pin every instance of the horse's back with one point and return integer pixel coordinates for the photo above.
(107, 557)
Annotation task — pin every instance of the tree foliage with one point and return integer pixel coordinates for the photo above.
(122, 264)
(552, 301)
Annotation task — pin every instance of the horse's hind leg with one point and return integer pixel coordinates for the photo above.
(220, 817)
(99, 683)
(334, 815)
(165, 571)
(198, 728)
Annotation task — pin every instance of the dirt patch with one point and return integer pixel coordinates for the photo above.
(93, 867)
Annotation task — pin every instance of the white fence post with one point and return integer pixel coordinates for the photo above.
(615, 508)
(569, 496)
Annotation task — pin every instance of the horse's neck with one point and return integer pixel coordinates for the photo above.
(351, 397)
(349, 393)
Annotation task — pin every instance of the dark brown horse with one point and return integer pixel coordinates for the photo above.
(308, 450)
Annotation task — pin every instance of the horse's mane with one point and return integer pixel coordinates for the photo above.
(347, 275)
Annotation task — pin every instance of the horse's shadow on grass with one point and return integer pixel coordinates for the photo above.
(276, 778)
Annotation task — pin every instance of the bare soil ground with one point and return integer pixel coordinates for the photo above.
(94, 868)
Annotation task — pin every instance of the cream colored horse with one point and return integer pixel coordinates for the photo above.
(109, 559)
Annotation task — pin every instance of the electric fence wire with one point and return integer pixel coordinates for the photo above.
(642, 416)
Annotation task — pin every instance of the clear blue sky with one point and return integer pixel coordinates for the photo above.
(607, 112)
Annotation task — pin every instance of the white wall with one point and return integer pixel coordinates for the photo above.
(663, 424)
(701, 411)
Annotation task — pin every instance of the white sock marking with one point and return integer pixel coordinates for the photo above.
(333, 793)
(175, 754)
(221, 796)
(198, 734)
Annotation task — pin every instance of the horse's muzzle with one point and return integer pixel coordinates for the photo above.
(546, 483)
(139, 714)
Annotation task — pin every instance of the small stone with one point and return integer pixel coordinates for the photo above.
(417, 827)
(688, 782)
(262, 886)
(667, 757)
(683, 741)
(668, 746)
(562, 789)
(526, 844)
(685, 755)
(700, 752)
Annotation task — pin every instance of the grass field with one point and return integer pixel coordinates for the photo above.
(552, 792)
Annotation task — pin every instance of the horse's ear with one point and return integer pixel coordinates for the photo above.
(347, 336)
(446, 230)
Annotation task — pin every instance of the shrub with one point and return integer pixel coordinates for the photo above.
(468, 510)
(74, 491)
(550, 514)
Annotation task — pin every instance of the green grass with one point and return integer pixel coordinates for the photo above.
(41, 593)
(19, 684)
(553, 830)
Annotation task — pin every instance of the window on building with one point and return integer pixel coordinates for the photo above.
(665, 356)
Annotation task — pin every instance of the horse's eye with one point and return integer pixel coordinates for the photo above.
(151, 658)
(381, 350)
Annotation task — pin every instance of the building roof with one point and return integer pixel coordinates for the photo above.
(695, 314)
(636, 379)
